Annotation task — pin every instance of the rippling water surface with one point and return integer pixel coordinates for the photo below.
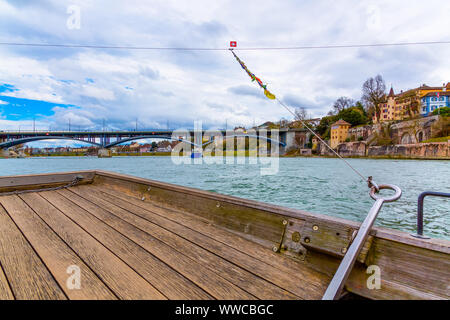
(318, 185)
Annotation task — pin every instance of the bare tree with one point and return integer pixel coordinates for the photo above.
(283, 123)
(374, 90)
(300, 113)
(341, 104)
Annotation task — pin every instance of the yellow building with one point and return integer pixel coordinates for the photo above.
(405, 105)
(388, 110)
(339, 132)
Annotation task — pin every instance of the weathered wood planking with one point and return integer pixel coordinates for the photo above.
(313, 284)
(235, 235)
(422, 269)
(27, 275)
(323, 249)
(39, 181)
(5, 290)
(193, 224)
(56, 255)
(207, 228)
(108, 227)
(115, 273)
(256, 221)
(256, 225)
(242, 278)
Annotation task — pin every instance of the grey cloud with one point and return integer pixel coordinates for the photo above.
(245, 90)
(150, 73)
(299, 102)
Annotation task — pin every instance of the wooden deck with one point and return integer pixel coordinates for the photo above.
(131, 249)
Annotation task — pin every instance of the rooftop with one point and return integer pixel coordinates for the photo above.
(341, 122)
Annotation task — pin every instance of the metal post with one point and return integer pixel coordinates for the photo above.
(340, 277)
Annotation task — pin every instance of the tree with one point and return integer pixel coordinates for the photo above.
(374, 90)
(324, 125)
(341, 104)
(443, 111)
(283, 123)
(300, 113)
(352, 115)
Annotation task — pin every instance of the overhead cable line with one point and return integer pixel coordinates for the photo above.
(337, 46)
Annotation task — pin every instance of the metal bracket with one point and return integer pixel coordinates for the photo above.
(291, 242)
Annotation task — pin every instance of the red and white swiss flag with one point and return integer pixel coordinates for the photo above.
(233, 44)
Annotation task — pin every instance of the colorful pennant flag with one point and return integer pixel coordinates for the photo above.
(253, 77)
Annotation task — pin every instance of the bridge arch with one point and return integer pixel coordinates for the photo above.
(12, 143)
(249, 136)
(115, 143)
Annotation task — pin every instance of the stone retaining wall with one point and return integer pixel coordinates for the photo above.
(431, 150)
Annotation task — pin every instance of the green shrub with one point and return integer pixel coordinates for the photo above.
(444, 111)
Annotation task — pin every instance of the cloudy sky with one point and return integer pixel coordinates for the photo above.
(86, 86)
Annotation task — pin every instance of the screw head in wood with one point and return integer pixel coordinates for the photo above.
(275, 249)
(315, 227)
(285, 222)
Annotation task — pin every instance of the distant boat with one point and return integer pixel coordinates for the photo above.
(196, 155)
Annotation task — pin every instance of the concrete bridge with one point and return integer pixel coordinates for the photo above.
(104, 140)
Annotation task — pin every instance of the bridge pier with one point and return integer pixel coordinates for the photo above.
(104, 153)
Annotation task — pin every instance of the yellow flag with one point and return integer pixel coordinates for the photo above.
(268, 94)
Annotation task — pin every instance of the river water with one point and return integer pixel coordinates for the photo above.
(318, 185)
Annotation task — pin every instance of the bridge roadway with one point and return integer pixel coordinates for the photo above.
(108, 139)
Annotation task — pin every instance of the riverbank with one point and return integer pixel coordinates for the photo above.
(360, 149)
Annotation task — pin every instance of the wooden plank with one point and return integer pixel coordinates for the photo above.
(28, 277)
(165, 279)
(397, 281)
(138, 187)
(35, 181)
(196, 223)
(249, 282)
(421, 269)
(5, 290)
(107, 230)
(117, 275)
(309, 284)
(252, 223)
(56, 255)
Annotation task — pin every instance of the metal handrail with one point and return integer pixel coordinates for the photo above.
(340, 277)
(420, 200)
